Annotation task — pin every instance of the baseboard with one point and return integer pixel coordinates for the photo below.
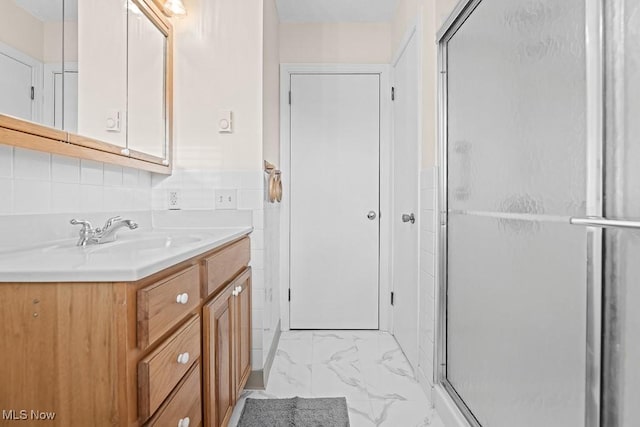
(255, 381)
(447, 409)
(427, 387)
(271, 356)
(258, 379)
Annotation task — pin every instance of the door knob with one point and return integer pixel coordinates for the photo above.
(409, 218)
(371, 215)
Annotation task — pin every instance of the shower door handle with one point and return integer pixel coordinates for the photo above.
(596, 221)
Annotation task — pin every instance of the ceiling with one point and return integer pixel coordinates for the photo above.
(336, 10)
(50, 10)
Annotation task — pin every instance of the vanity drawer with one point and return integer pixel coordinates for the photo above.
(185, 402)
(222, 266)
(160, 371)
(164, 304)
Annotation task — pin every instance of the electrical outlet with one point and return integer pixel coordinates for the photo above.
(173, 199)
(226, 199)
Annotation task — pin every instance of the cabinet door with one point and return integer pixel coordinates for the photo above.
(219, 383)
(242, 332)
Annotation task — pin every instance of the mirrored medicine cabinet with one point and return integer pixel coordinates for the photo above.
(89, 79)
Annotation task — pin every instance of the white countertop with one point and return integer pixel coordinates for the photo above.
(135, 255)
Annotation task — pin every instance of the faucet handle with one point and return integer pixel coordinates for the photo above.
(110, 222)
(86, 225)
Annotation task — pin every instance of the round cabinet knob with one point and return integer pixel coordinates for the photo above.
(183, 358)
(182, 298)
(371, 215)
(239, 289)
(184, 422)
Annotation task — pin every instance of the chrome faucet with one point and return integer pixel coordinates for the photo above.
(106, 234)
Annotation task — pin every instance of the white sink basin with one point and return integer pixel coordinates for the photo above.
(136, 254)
(146, 244)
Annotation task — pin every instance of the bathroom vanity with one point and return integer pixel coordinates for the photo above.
(162, 338)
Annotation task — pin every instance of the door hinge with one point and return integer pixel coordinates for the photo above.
(289, 97)
(393, 93)
(33, 93)
(391, 298)
(289, 294)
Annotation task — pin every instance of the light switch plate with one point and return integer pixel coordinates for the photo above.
(226, 199)
(112, 121)
(225, 121)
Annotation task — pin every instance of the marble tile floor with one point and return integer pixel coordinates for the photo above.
(366, 367)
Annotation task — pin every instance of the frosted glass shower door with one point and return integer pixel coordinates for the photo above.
(516, 171)
(621, 377)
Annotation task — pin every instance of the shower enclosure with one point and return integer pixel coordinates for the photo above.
(540, 212)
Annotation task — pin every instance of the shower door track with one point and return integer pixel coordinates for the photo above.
(595, 206)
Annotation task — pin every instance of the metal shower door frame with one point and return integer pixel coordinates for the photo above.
(595, 66)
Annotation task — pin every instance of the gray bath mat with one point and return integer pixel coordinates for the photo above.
(295, 412)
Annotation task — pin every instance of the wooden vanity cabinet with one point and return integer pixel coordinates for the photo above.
(227, 348)
(242, 332)
(218, 351)
(170, 349)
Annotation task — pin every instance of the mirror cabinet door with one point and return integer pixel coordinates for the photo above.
(97, 69)
(31, 38)
(147, 100)
(101, 69)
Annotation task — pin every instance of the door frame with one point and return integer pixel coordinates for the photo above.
(413, 32)
(595, 78)
(384, 264)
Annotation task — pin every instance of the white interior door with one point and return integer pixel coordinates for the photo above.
(335, 155)
(15, 88)
(405, 202)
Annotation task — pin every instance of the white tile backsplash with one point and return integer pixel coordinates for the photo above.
(6, 161)
(92, 198)
(6, 191)
(65, 197)
(91, 172)
(32, 196)
(112, 175)
(32, 182)
(29, 164)
(130, 177)
(65, 169)
(250, 199)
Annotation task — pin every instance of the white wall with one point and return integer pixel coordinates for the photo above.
(271, 152)
(21, 30)
(433, 13)
(218, 66)
(102, 68)
(52, 42)
(335, 42)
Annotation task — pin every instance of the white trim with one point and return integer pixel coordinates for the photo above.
(447, 409)
(48, 88)
(36, 78)
(413, 31)
(385, 174)
(414, 27)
